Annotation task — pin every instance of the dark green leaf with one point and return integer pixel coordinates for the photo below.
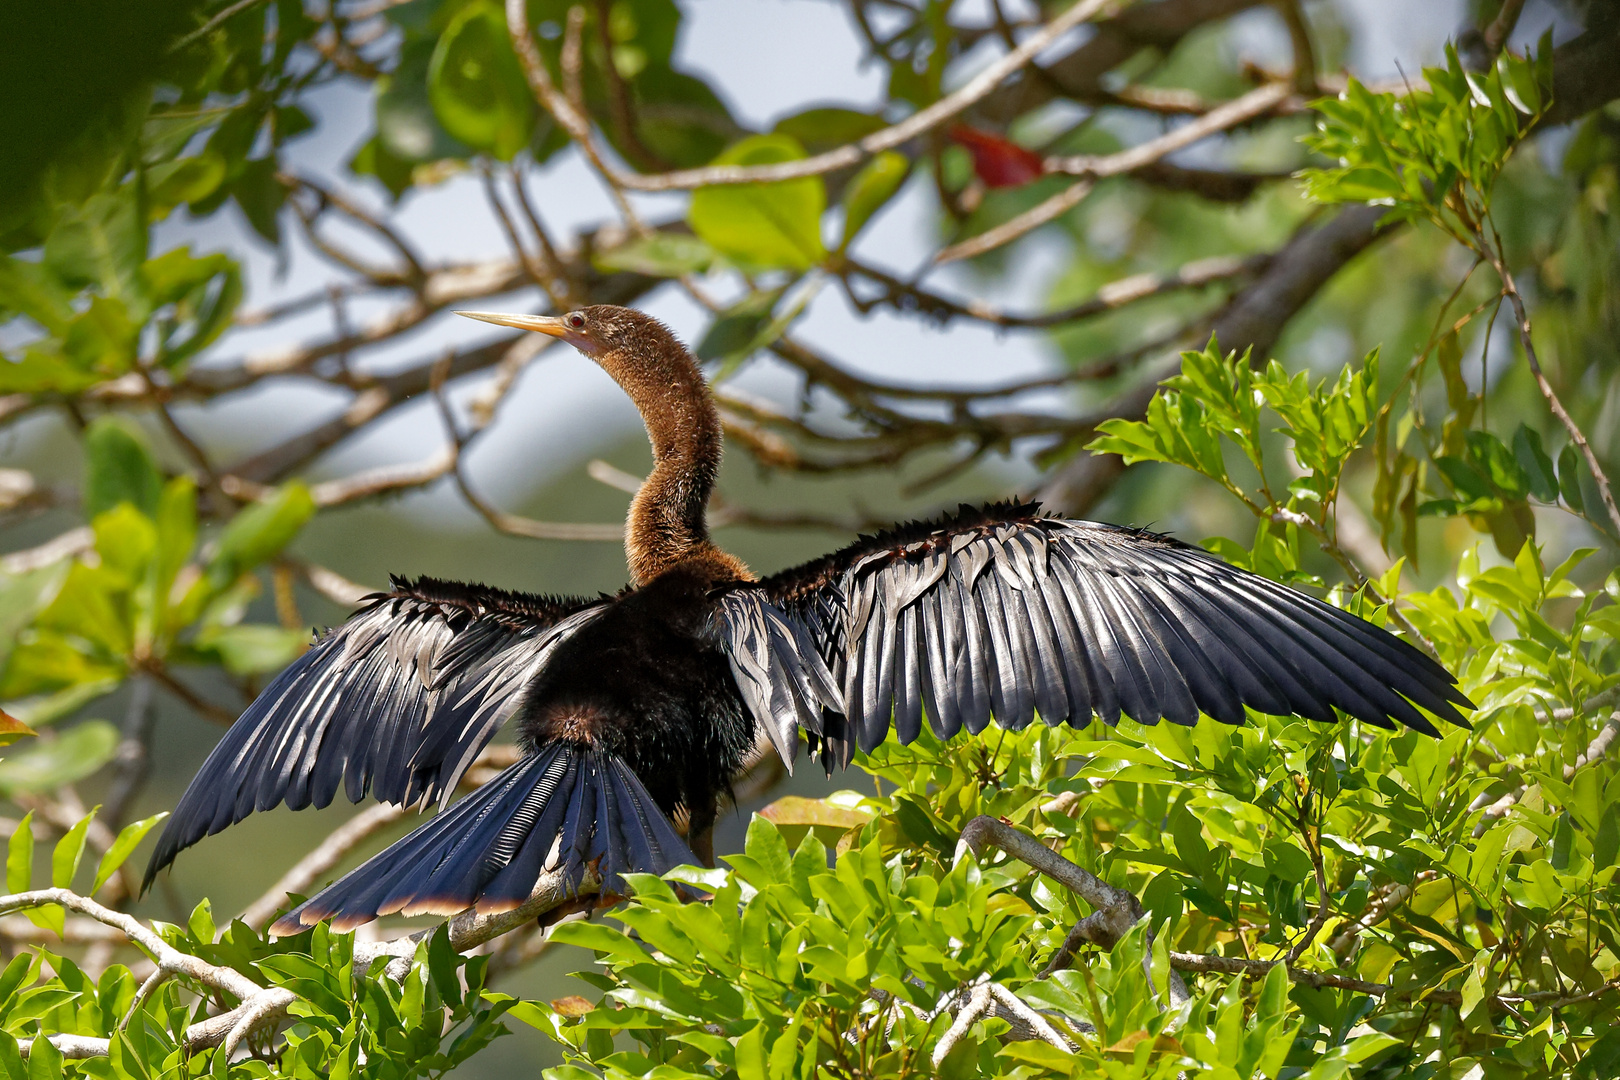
(1569, 478)
(823, 129)
(1498, 465)
(736, 328)
(1537, 466)
(261, 196)
(477, 86)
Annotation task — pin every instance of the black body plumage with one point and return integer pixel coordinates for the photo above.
(637, 710)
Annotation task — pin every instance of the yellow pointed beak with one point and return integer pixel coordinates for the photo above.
(550, 325)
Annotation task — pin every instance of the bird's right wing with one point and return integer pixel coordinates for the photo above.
(1006, 613)
(397, 702)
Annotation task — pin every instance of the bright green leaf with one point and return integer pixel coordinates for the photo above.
(763, 226)
(129, 838)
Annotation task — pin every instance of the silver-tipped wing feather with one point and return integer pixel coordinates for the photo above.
(395, 703)
(1003, 613)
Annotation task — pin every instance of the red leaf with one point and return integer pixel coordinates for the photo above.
(998, 162)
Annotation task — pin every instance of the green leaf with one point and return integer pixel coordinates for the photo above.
(751, 1054)
(408, 131)
(259, 532)
(1497, 464)
(44, 369)
(828, 128)
(100, 243)
(260, 196)
(27, 288)
(871, 188)
(125, 539)
(1464, 479)
(1537, 466)
(602, 939)
(204, 291)
(201, 924)
(442, 965)
(21, 598)
(69, 850)
(734, 330)
(129, 838)
(102, 338)
(252, 648)
(20, 856)
(71, 756)
(476, 85)
(763, 226)
(44, 1060)
(186, 180)
(118, 468)
(659, 255)
(1569, 478)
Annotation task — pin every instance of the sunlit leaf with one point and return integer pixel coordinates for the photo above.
(69, 850)
(763, 226)
(128, 839)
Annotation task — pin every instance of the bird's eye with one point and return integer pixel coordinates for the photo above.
(576, 321)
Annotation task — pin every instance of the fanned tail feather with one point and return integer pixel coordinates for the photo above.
(566, 808)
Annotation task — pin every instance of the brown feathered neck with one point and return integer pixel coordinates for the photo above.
(668, 523)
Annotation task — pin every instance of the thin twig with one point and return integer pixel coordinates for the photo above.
(1522, 320)
(212, 24)
(511, 524)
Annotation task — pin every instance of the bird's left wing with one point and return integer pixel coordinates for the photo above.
(1007, 613)
(397, 702)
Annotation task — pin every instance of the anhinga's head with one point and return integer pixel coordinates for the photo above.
(598, 331)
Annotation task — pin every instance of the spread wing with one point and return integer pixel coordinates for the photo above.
(1004, 613)
(397, 701)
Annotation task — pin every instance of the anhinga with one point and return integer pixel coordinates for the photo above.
(639, 708)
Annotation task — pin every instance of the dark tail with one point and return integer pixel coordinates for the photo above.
(564, 808)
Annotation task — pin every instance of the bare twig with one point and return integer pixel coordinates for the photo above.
(63, 546)
(265, 1005)
(512, 524)
(1496, 34)
(1115, 912)
(978, 1003)
(1600, 745)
